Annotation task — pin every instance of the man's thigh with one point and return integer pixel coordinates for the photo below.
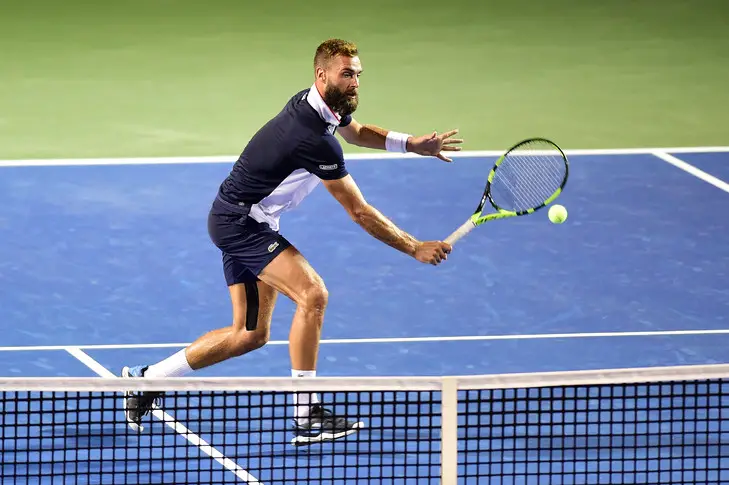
(265, 301)
(291, 274)
(247, 245)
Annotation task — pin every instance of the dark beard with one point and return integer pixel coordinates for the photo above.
(339, 102)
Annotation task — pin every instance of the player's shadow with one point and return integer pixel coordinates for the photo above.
(253, 443)
(65, 438)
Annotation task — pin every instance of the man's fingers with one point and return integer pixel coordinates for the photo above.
(451, 149)
(451, 141)
(448, 134)
(444, 158)
(439, 252)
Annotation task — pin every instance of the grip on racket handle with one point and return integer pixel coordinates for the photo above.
(465, 228)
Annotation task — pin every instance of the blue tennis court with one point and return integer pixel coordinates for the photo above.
(109, 264)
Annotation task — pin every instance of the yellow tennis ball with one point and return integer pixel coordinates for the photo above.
(557, 214)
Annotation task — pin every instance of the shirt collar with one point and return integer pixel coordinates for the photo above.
(317, 102)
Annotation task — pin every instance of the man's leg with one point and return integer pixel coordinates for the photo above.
(233, 341)
(227, 342)
(292, 275)
(211, 348)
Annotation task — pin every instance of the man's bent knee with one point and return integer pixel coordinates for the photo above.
(244, 341)
(315, 298)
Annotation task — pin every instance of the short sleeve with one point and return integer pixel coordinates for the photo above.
(345, 121)
(325, 160)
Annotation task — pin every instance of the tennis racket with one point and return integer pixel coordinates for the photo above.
(529, 176)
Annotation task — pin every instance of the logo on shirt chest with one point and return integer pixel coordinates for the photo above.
(331, 129)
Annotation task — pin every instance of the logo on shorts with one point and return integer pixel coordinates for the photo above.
(328, 167)
(272, 247)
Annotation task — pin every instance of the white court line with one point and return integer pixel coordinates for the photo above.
(374, 155)
(696, 172)
(90, 362)
(194, 439)
(388, 340)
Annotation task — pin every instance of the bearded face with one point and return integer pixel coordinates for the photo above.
(341, 84)
(341, 101)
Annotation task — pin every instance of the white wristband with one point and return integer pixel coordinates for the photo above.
(396, 142)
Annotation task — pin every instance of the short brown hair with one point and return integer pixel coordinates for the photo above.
(332, 48)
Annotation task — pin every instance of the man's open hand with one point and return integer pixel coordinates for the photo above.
(434, 144)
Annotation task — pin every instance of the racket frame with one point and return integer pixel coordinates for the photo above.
(478, 218)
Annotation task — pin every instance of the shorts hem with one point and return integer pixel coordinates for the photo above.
(252, 273)
(282, 245)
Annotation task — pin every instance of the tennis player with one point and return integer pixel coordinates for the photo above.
(284, 161)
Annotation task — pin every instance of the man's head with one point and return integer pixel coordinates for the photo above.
(337, 69)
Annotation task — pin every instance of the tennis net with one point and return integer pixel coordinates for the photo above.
(666, 425)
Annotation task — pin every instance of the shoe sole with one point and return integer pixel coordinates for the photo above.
(132, 424)
(326, 436)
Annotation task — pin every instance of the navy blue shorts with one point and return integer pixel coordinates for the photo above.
(247, 245)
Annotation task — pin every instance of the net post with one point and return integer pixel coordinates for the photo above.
(449, 431)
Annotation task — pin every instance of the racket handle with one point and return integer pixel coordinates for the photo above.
(465, 228)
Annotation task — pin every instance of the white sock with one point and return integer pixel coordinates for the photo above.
(173, 366)
(303, 400)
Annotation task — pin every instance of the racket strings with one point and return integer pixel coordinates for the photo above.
(526, 178)
(512, 187)
(528, 181)
(546, 179)
(522, 193)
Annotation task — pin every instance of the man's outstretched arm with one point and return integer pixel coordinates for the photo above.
(375, 137)
(347, 193)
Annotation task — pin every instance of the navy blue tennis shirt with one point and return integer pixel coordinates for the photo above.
(287, 157)
(279, 167)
